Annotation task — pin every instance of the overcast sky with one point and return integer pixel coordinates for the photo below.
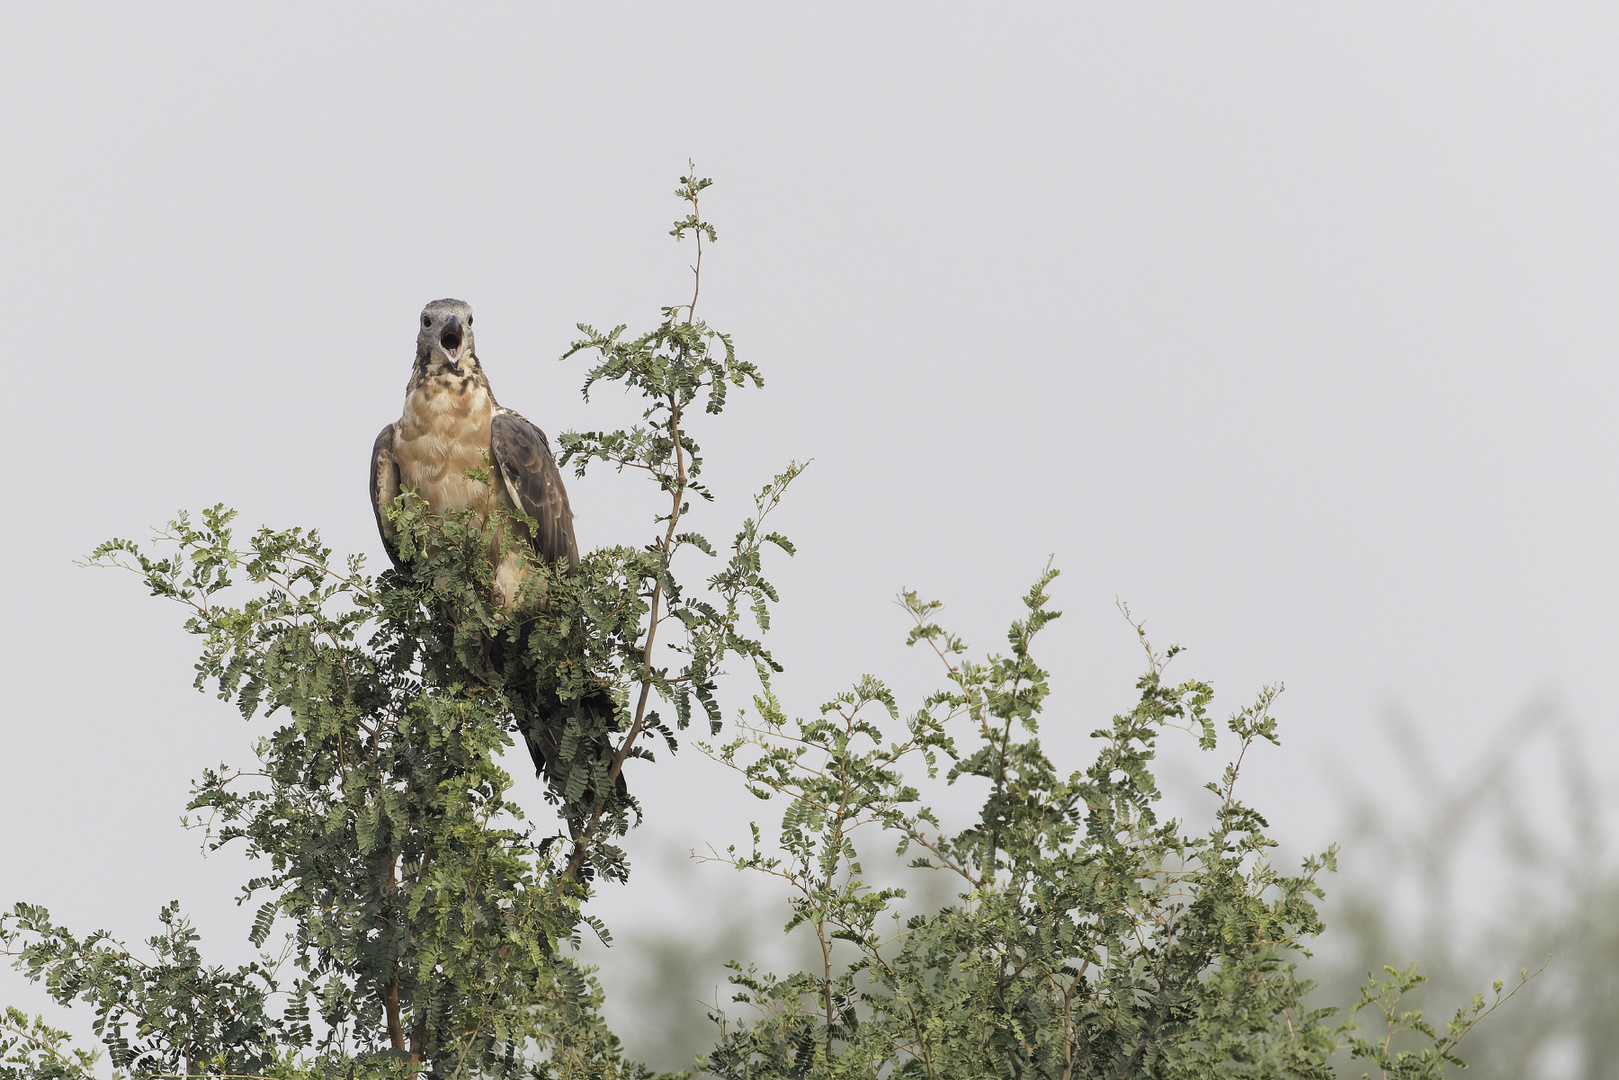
(1291, 325)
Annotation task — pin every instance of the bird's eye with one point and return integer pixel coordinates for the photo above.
(426, 321)
(469, 320)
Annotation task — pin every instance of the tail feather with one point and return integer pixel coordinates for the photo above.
(570, 739)
(545, 730)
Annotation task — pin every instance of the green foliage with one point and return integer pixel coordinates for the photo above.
(33, 1049)
(1383, 996)
(426, 920)
(674, 367)
(157, 1016)
(1091, 938)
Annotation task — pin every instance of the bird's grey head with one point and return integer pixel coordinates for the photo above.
(444, 338)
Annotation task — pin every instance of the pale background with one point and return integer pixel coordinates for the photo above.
(1292, 326)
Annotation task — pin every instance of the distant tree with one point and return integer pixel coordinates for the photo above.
(1524, 821)
(428, 922)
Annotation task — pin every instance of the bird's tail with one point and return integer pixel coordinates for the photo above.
(571, 742)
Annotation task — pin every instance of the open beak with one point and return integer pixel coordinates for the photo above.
(451, 339)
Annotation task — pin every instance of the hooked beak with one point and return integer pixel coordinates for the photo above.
(450, 339)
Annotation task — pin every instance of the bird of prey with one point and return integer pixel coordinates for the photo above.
(452, 423)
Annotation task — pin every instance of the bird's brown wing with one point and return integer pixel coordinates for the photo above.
(385, 489)
(530, 481)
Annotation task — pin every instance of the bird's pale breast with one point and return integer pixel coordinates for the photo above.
(444, 432)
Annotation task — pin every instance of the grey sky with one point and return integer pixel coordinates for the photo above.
(1293, 326)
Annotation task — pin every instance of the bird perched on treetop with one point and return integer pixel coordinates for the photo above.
(452, 423)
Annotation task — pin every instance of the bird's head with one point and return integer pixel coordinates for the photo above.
(444, 338)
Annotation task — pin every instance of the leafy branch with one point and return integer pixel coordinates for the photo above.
(674, 367)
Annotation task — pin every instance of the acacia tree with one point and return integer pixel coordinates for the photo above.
(427, 922)
(426, 914)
